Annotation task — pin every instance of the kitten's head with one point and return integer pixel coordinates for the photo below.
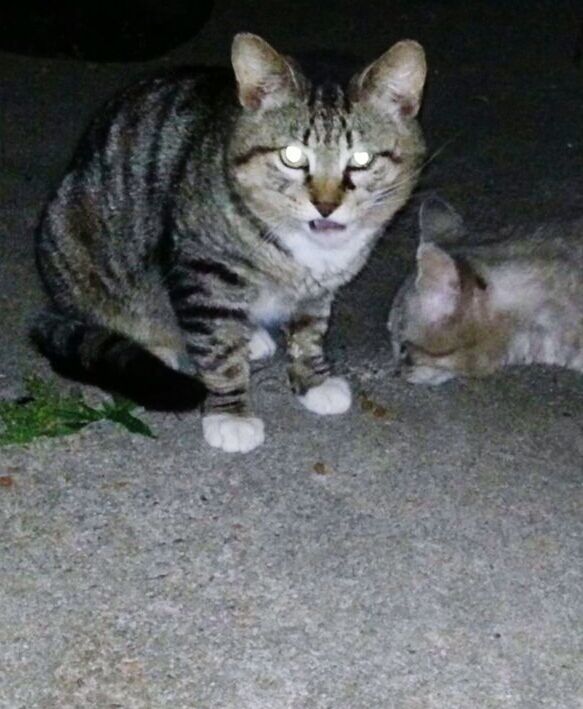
(441, 321)
(325, 161)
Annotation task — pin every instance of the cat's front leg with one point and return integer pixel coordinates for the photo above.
(217, 345)
(309, 371)
(208, 298)
(227, 422)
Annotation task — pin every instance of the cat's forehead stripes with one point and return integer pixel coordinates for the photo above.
(329, 111)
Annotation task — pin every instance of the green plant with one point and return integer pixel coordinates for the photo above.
(46, 411)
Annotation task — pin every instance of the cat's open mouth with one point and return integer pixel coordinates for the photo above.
(322, 225)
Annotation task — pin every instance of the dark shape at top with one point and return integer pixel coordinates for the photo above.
(126, 30)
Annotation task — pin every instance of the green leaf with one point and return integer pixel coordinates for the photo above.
(46, 411)
(131, 422)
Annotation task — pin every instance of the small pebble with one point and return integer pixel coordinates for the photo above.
(321, 469)
(366, 404)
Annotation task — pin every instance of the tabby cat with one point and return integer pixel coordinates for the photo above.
(470, 310)
(200, 211)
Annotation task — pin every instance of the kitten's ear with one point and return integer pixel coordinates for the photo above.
(438, 282)
(394, 82)
(439, 223)
(265, 79)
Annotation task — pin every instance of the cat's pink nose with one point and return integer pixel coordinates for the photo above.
(325, 208)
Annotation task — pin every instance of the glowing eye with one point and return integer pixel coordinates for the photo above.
(292, 156)
(361, 159)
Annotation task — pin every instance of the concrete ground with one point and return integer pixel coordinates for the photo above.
(424, 550)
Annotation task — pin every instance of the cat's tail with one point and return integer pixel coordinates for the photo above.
(71, 343)
(94, 354)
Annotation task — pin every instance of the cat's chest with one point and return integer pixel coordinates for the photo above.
(329, 264)
(272, 306)
(317, 270)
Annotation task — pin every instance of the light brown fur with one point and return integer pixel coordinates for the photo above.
(469, 311)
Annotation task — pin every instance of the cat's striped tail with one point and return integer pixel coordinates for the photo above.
(97, 355)
(71, 343)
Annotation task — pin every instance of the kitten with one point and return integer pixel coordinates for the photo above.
(199, 211)
(470, 310)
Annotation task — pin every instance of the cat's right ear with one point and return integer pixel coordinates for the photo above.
(265, 79)
(394, 82)
(438, 283)
(439, 223)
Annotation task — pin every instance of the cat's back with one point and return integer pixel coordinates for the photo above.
(539, 267)
(152, 120)
(108, 212)
(122, 174)
(545, 243)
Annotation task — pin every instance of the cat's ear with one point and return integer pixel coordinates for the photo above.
(394, 82)
(438, 282)
(265, 78)
(439, 223)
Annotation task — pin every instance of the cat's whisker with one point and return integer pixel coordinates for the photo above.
(271, 235)
(413, 174)
(380, 197)
(440, 150)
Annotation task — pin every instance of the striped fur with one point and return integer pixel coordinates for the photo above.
(179, 231)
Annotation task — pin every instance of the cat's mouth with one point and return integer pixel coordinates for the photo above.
(325, 225)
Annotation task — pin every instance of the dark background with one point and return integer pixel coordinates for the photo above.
(138, 30)
(123, 30)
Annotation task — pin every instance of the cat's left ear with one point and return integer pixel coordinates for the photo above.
(438, 283)
(394, 82)
(265, 78)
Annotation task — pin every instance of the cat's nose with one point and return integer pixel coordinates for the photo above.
(325, 208)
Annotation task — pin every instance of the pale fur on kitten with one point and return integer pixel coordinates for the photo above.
(470, 310)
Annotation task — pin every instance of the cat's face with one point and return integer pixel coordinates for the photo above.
(320, 160)
(441, 322)
(432, 342)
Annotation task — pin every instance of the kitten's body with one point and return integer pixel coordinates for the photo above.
(470, 310)
(183, 228)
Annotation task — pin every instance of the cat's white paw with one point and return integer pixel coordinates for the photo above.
(261, 345)
(429, 375)
(331, 397)
(233, 434)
